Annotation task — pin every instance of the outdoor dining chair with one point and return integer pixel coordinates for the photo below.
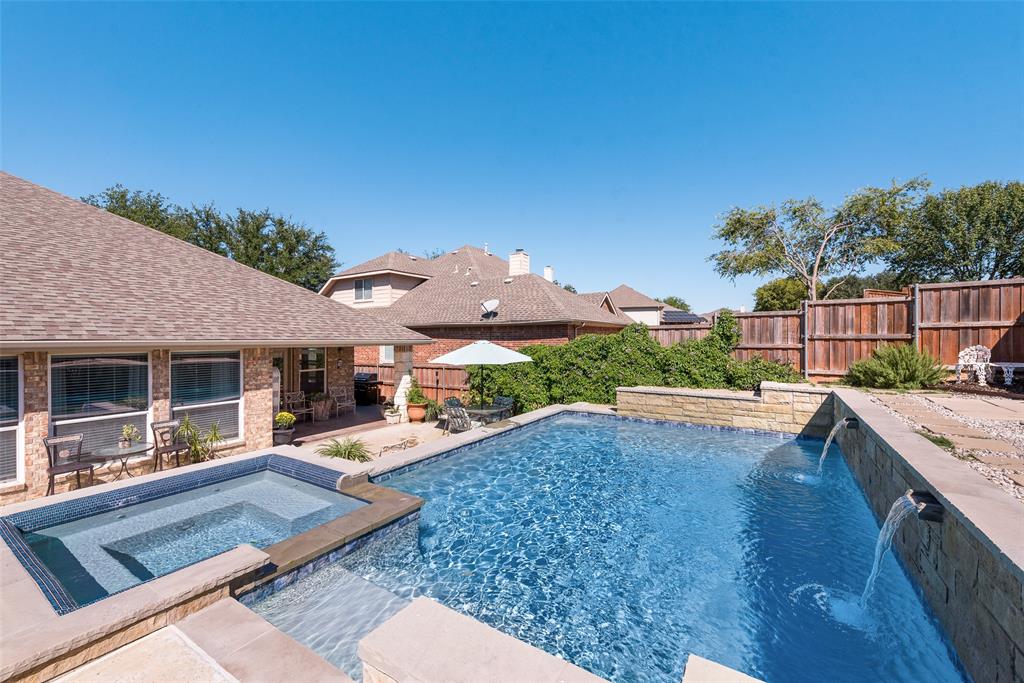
(65, 455)
(295, 403)
(343, 400)
(507, 404)
(165, 438)
(458, 420)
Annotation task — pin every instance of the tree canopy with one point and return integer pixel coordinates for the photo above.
(802, 239)
(257, 238)
(676, 302)
(971, 233)
(780, 294)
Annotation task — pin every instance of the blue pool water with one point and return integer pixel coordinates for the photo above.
(623, 546)
(102, 554)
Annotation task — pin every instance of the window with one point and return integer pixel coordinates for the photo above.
(387, 355)
(313, 371)
(97, 395)
(10, 418)
(207, 386)
(364, 289)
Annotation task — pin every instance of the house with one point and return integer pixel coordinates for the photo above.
(107, 322)
(641, 308)
(444, 298)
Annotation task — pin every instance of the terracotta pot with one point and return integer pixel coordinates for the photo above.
(417, 412)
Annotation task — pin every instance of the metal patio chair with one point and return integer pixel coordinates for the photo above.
(295, 403)
(458, 420)
(507, 404)
(165, 439)
(65, 455)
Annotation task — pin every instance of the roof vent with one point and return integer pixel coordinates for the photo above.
(411, 257)
(474, 283)
(507, 281)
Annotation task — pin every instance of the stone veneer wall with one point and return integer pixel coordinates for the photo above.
(340, 370)
(258, 407)
(969, 567)
(775, 407)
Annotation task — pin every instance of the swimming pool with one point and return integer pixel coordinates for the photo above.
(100, 545)
(623, 545)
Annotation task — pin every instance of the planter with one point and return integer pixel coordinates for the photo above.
(283, 437)
(393, 418)
(124, 443)
(322, 410)
(417, 412)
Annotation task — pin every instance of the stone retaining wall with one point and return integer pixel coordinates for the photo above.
(969, 566)
(775, 407)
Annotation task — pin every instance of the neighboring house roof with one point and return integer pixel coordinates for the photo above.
(625, 296)
(529, 298)
(396, 261)
(674, 316)
(466, 259)
(79, 276)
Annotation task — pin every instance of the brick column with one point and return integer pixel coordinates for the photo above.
(403, 379)
(258, 383)
(36, 381)
(160, 369)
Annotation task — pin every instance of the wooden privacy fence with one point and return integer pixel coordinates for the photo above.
(824, 338)
(437, 381)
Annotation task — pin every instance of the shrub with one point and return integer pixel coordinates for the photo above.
(748, 374)
(699, 363)
(201, 445)
(284, 420)
(349, 449)
(415, 394)
(896, 367)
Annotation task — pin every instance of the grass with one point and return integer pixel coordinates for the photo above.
(937, 439)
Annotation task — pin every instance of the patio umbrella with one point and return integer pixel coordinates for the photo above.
(482, 353)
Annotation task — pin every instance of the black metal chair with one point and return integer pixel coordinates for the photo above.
(65, 455)
(458, 420)
(507, 405)
(165, 438)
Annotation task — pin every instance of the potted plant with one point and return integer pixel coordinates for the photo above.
(201, 445)
(321, 403)
(129, 433)
(416, 402)
(393, 415)
(284, 428)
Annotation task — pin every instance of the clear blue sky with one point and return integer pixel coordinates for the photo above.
(603, 138)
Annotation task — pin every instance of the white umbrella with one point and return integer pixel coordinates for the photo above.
(482, 353)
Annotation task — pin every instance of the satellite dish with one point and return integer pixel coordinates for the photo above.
(489, 306)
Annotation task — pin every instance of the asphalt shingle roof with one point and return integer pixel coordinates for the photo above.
(625, 296)
(77, 275)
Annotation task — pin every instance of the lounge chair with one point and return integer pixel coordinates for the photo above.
(458, 420)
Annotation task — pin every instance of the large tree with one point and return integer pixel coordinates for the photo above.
(259, 239)
(781, 294)
(973, 233)
(676, 302)
(802, 239)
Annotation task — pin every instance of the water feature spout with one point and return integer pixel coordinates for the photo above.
(902, 507)
(929, 509)
(849, 423)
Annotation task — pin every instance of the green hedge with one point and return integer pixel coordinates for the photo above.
(591, 367)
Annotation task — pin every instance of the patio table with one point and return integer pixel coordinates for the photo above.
(485, 413)
(111, 453)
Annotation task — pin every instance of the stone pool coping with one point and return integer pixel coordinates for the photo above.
(36, 643)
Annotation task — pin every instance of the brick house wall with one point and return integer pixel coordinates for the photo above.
(446, 339)
(257, 381)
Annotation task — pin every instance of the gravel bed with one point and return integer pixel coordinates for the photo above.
(1010, 431)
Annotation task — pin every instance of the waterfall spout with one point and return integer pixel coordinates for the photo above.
(850, 422)
(903, 507)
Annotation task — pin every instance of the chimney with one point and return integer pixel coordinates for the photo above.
(549, 273)
(518, 263)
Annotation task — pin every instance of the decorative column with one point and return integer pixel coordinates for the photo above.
(403, 379)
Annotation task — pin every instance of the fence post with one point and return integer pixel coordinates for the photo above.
(916, 306)
(804, 308)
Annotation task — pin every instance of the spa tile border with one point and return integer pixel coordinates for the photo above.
(260, 593)
(12, 527)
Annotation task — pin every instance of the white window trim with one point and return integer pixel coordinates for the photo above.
(234, 440)
(19, 432)
(383, 356)
(323, 369)
(148, 412)
(359, 286)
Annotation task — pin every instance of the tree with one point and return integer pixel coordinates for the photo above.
(972, 233)
(431, 254)
(781, 294)
(676, 302)
(853, 287)
(259, 239)
(569, 288)
(802, 239)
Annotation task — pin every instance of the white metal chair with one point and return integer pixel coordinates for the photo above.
(977, 361)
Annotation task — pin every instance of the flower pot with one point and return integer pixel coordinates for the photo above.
(322, 410)
(393, 418)
(417, 412)
(124, 443)
(283, 437)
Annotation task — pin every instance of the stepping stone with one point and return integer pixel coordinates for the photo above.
(971, 443)
(997, 461)
(1017, 479)
(950, 428)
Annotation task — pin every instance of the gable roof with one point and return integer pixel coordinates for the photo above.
(465, 259)
(455, 300)
(88, 278)
(625, 296)
(397, 261)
